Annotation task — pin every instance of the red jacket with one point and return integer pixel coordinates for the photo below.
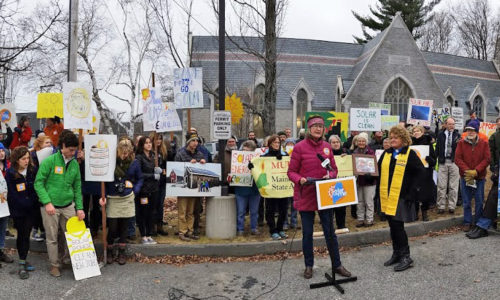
(473, 157)
(305, 163)
(22, 139)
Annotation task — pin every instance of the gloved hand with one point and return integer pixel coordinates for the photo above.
(470, 174)
(18, 130)
(250, 165)
(469, 181)
(158, 170)
(157, 176)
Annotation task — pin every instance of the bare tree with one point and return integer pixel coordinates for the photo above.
(478, 28)
(437, 34)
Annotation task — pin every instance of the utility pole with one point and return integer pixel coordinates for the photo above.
(222, 85)
(73, 40)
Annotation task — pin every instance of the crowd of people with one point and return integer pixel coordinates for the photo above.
(43, 194)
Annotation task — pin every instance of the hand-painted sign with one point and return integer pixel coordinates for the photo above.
(335, 123)
(239, 174)
(270, 175)
(49, 105)
(365, 119)
(385, 108)
(188, 88)
(344, 165)
(388, 122)
(81, 250)
(77, 105)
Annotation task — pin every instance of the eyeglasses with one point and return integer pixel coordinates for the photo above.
(317, 126)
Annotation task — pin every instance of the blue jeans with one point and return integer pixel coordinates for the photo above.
(293, 214)
(131, 226)
(484, 223)
(332, 244)
(3, 228)
(252, 201)
(467, 194)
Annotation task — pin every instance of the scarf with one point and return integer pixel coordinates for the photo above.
(389, 198)
(122, 167)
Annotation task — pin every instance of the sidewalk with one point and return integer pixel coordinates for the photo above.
(352, 239)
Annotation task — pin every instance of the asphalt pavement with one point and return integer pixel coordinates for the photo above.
(446, 267)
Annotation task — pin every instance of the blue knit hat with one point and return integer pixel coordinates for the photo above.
(2, 147)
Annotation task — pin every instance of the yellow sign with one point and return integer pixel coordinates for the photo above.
(234, 105)
(49, 105)
(270, 176)
(344, 165)
(336, 192)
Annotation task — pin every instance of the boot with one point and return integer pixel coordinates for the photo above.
(5, 257)
(405, 263)
(425, 216)
(109, 255)
(22, 272)
(393, 260)
(122, 258)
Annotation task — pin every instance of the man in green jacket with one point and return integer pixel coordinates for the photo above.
(58, 185)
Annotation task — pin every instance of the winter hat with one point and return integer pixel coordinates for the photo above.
(192, 137)
(289, 140)
(2, 147)
(473, 124)
(315, 120)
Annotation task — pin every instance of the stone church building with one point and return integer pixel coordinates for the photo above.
(323, 76)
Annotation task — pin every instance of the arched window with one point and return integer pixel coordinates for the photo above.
(258, 103)
(477, 106)
(301, 108)
(450, 101)
(398, 93)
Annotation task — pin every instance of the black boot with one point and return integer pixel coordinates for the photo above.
(405, 263)
(122, 258)
(425, 216)
(393, 260)
(109, 255)
(159, 229)
(477, 233)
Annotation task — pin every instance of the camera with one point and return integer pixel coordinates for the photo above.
(120, 187)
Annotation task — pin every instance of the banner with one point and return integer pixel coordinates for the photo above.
(193, 180)
(336, 192)
(8, 114)
(365, 119)
(457, 113)
(344, 165)
(419, 112)
(239, 174)
(487, 128)
(188, 88)
(335, 123)
(100, 157)
(77, 105)
(385, 108)
(387, 122)
(81, 250)
(270, 177)
(422, 152)
(49, 105)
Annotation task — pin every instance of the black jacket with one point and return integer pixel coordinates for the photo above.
(440, 146)
(426, 181)
(147, 165)
(21, 195)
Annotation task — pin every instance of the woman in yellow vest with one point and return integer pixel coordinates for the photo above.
(400, 169)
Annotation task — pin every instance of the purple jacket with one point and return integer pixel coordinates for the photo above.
(305, 163)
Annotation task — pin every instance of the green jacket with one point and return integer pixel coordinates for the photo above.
(58, 183)
(494, 142)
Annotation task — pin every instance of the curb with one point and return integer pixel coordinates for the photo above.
(354, 239)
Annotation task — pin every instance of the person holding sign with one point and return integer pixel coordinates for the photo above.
(119, 201)
(305, 165)
(53, 128)
(59, 188)
(23, 203)
(22, 133)
(400, 169)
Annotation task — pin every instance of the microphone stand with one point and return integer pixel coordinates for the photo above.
(331, 280)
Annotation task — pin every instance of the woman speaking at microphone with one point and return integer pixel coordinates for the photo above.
(306, 163)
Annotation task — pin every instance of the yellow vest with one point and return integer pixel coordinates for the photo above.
(389, 198)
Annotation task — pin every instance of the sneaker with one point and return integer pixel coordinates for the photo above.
(38, 237)
(184, 238)
(23, 273)
(283, 235)
(54, 271)
(275, 236)
(145, 241)
(151, 241)
(29, 267)
(360, 224)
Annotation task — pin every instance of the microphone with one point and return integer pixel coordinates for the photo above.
(325, 163)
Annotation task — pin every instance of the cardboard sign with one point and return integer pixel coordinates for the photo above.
(160, 116)
(385, 108)
(422, 152)
(365, 119)
(335, 123)
(77, 105)
(270, 175)
(344, 165)
(188, 88)
(239, 174)
(49, 105)
(457, 113)
(100, 157)
(81, 250)
(388, 122)
(8, 115)
(222, 125)
(336, 192)
(487, 128)
(193, 180)
(419, 112)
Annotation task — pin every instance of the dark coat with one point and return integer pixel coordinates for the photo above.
(426, 181)
(405, 211)
(21, 203)
(134, 175)
(147, 166)
(440, 146)
(494, 142)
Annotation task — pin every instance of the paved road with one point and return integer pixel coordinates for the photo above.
(446, 267)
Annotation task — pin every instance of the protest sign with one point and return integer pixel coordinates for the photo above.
(487, 128)
(81, 249)
(344, 165)
(335, 123)
(77, 105)
(4, 206)
(422, 152)
(385, 108)
(270, 175)
(222, 125)
(193, 180)
(387, 122)
(160, 116)
(419, 112)
(49, 105)
(336, 192)
(365, 119)
(8, 115)
(188, 88)
(239, 174)
(100, 157)
(457, 113)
